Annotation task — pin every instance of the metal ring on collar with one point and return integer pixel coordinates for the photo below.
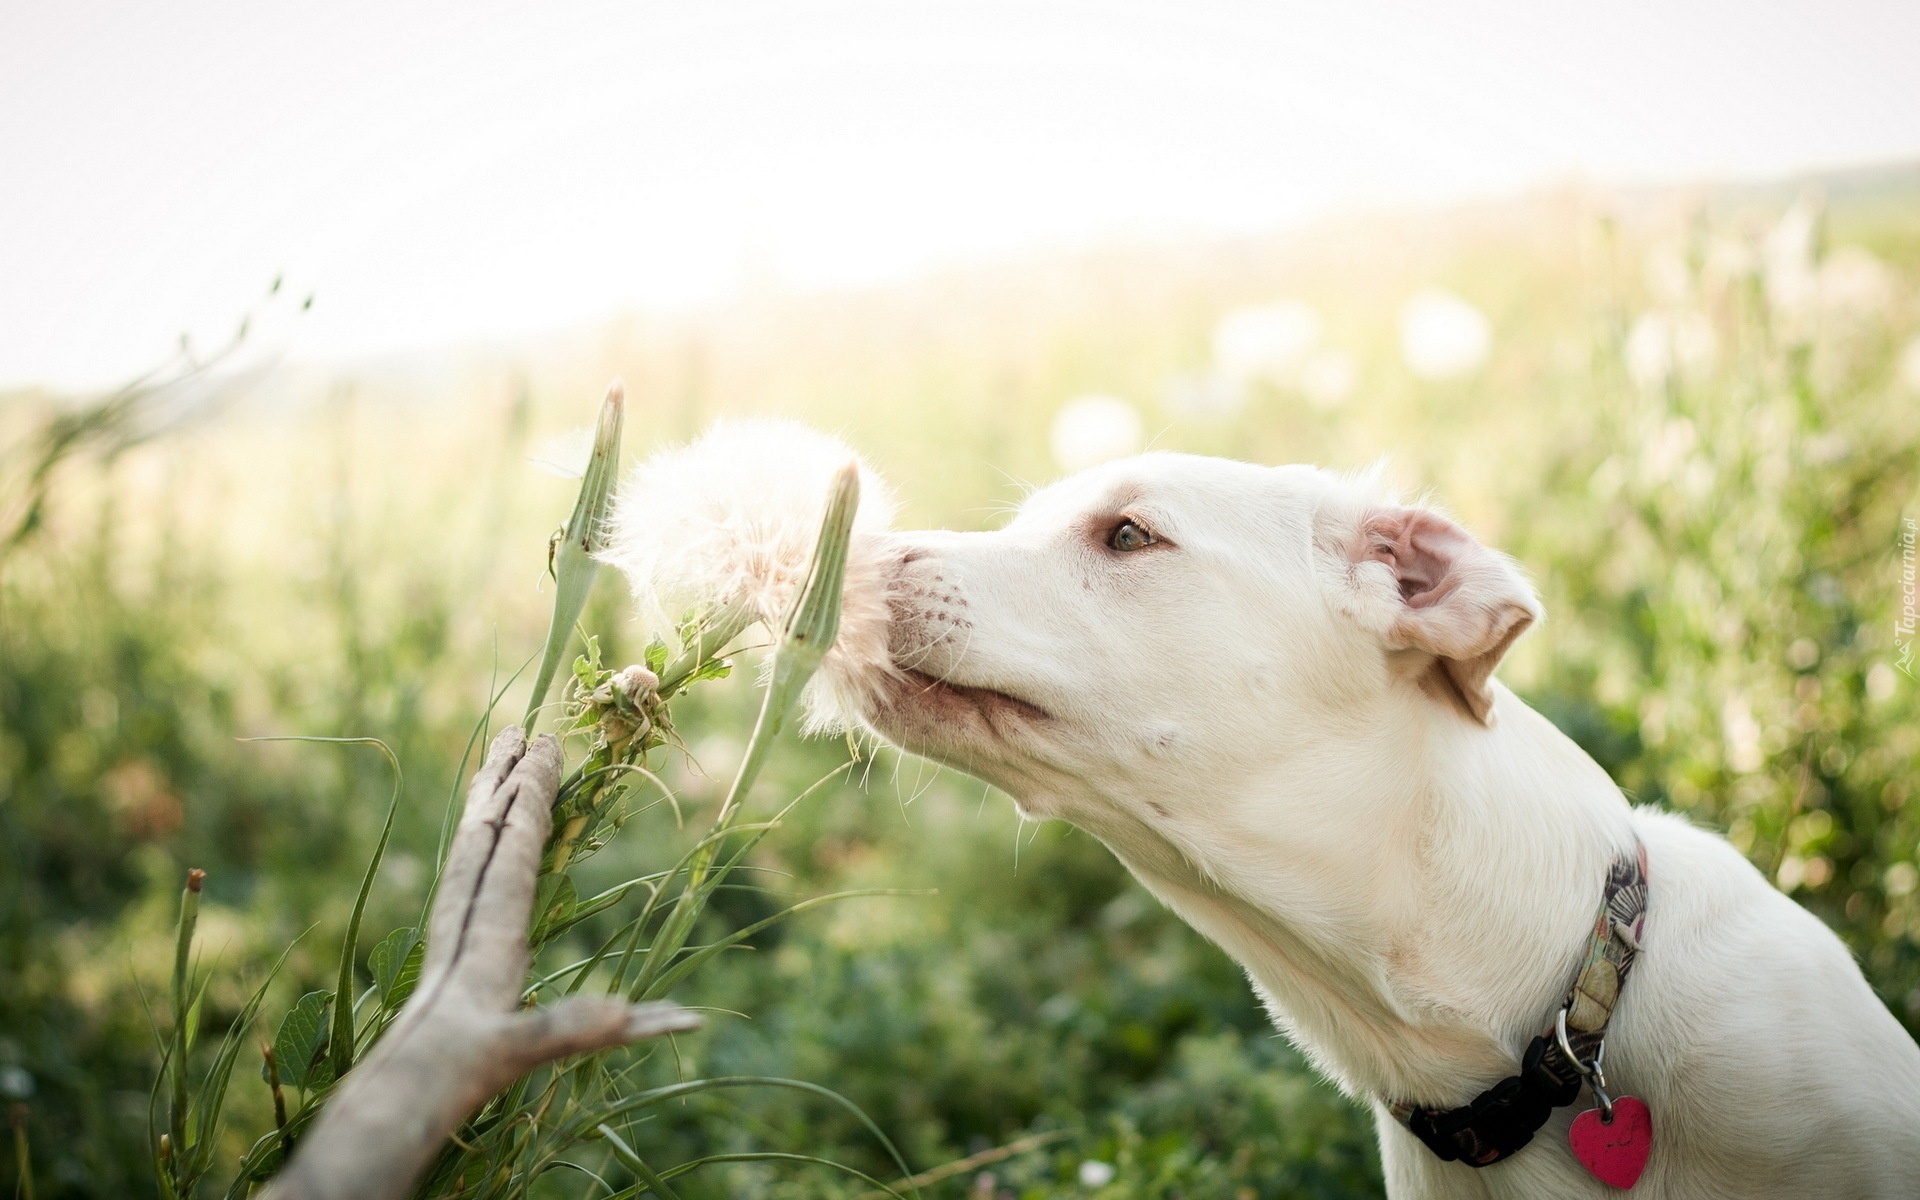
(1595, 1071)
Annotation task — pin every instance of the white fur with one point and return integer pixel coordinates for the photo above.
(1253, 716)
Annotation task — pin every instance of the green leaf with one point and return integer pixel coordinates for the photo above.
(586, 668)
(624, 1107)
(553, 903)
(302, 1039)
(212, 1098)
(395, 964)
(656, 656)
(340, 1044)
(192, 1037)
(262, 1160)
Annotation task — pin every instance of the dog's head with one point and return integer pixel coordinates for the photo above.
(1172, 623)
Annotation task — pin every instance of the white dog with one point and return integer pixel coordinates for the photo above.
(1271, 694)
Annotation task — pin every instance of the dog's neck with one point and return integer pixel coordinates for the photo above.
(1412, 925)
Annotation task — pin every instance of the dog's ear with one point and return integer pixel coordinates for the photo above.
(1450, 597)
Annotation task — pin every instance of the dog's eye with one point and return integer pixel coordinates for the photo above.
(1128, 536)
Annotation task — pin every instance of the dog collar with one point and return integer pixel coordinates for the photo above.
(1502, 1119)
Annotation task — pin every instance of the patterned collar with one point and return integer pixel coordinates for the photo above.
(1502, 1119)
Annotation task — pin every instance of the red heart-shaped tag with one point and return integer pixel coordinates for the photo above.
(1614, 1154)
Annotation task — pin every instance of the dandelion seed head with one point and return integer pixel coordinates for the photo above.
(1327, 379)
(732, 520)
(1662, 345)
(1202, 396)
(1902, 878)
(1910, 365)
(1669, 450)
(1093, 430)
(1669, 279)
(1789, 257)
(1855, 285)
(1741, 734)
(1265, 342)
(1443, 336)
(1731, 259)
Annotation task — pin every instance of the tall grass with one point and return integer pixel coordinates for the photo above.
(587, 1106)
(1720, 636)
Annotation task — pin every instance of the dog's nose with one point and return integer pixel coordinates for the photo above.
(927, 605)
(917, 548)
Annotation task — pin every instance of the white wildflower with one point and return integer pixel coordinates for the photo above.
(1443, 336)
(1881, 682)
(1803, 653)
(1327, 378)
(1853, 284)
(1730, 258)
(1668, 278)
(1742, 735)
(1264, 342)
(1788, 258)
(1825, 449)
(1910, 364)
(1901, 879)
(1094, 1173)
(1662, 345)
(1791, 874)
(1093, 430)
(732, 520)
(1202, 397)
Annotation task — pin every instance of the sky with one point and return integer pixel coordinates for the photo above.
(451, 170)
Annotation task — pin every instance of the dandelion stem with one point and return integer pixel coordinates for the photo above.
(811, 626)
(711, 636)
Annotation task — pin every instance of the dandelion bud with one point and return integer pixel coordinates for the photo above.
(635, 684)
(575, 557)
(625, 703)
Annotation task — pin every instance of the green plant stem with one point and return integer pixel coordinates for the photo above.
(23, 1159)
(711, 637)
(341, 1040)
(574, 564)
(811, 626)
(182, 1020)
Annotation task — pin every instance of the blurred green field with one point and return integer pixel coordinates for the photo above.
(1696, 427)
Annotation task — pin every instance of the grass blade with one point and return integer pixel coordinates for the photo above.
(340, 1042)
(184, 1011)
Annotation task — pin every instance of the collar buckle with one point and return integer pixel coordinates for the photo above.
(1504, 1118)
